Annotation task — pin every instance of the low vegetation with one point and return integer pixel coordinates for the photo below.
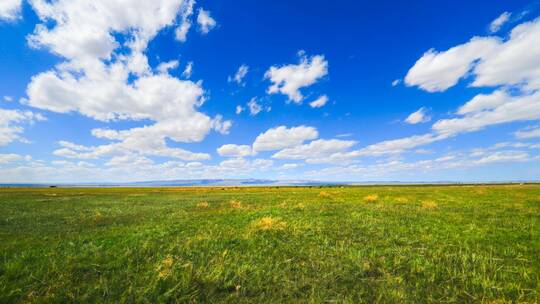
(403, 244)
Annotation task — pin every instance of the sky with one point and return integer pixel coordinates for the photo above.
(120, 91)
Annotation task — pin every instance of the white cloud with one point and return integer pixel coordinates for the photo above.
(99, 83)
(188, 70)
(10, 158)
(317, 151)
(491, 62)
(396, 146)
(232, 150)
(289, 166)
(10, 10)
(12, 124)
(282, 137)
(419, 116)
(8, 98)
(528, 133)
(253, 106)
(220, 125)
(185, 21)
(515, 62)
(436, 72)
(319, 102)
(240, 74)
(486, 110)
(496, 24)
(164, 67)
(205, 21)
(396, 82)
(289, 79)
(504, 156)
(239, 109)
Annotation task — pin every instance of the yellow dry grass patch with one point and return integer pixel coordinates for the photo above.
(300, 206)
(164, 268)
(401, 200)
(324, 194)
(429, 204)
(268, 223)
(203, 204)
(372, 198)
(235, 204)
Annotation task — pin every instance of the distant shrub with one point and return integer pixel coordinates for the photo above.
(372, 198)
(429, 204)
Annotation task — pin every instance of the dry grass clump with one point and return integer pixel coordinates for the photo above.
(401, 200)
(299, 207)
(324, 194)
(269, 223)
(235, 204)
(164, 268)
(372, 198)
(204, 204)
(429, 205)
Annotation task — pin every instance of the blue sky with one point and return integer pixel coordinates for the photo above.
(320, 90)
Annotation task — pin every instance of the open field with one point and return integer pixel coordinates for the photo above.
(401, 244)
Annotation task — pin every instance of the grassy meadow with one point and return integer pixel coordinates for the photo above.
(376, 244)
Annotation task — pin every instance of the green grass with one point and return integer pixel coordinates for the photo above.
(425, 244)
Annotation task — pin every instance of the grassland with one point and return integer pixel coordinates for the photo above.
(442, 244)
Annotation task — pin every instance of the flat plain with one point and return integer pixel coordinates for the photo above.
(369, 244)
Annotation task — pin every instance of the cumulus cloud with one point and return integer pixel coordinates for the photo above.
(185, 20)
(317, 151)
(205, 21)
(164, 67)
(240, 74)
(100, 83)
(11, 158)
(528, 133)
(437, 71)
(511, 64)
(496, 24)
(282, 137)
(419, 116)
(253, 106)
(239, 109)
(319, 102)
(289, 79)
(485, 110)
(289, 166)
(12, 124)
(188, 70)
(232, 150)
(10, 10)
(490, 60)
(504, 156)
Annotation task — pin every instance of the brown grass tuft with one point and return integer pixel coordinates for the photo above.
(203, 204)
(323, 194)
(401, 200)
(164, 268)
(429, 205)
(269, 223)
(235, 204)
(372, 198)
